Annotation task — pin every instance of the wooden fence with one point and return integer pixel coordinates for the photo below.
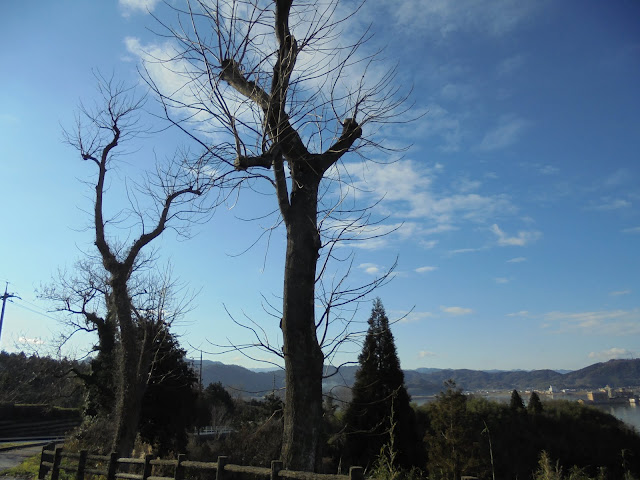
(55, 459)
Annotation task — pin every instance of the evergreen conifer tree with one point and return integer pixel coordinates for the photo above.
(535, 405)
(379, 397)
(516, 404)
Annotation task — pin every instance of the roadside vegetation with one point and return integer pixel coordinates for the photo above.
(455, 435)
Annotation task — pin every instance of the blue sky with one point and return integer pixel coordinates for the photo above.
(516, 206)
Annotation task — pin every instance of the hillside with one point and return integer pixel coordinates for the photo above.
(616, 373)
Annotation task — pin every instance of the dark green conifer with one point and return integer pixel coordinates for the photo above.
(516, 404)
(379, 395)
(535, 405)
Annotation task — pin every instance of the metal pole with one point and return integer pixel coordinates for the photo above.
(5, 297)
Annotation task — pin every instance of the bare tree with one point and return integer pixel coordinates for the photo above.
(278, 83)
(133, 311)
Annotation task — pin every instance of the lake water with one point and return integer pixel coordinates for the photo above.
(627, 413)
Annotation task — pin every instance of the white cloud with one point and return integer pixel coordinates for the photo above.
(521, 313)
(406, 188)
(631, 230)
(428, 244)
(438, 122)
(459, 92)
(370, 268)
(426, 353)
(133, 6)
(517, 260)
(608, 203)
(549, 170)
(509, 65)
(443, 17)
(620, 292)
(613, 352)
(617, 178)
(425, 269)
(502, 280)
(456, 310)
(464, 250)
(412, 317)
(602, 322)
(9, 119)
(523, 238)
(504, 134)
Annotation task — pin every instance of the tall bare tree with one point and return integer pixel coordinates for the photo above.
(174, 193)
(278, 83)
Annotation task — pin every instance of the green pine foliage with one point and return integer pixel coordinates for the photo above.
(378, 395)
(534, 407)
(516, 404)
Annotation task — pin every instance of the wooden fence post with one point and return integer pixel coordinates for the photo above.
(57, 457)
(356, 473)
(82, 461)
(146, 473)
(276, 466)
(222, 461)
(42, 471)
(179, 473)
(113, 466)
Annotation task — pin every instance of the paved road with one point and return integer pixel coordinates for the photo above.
(12, 458)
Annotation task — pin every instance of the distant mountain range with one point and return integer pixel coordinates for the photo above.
(429, 381)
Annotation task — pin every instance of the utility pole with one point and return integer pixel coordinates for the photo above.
(5, 297)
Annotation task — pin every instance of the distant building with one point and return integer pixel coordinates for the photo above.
(597, 397)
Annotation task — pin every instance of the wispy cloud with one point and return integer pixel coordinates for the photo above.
(370, 268)
(517, 260)
(522, 239)
(501, 280)
(614, 352)
(9, 119)
(602, 322)
(620, 292)
(426, 354)
(510, 65)
(443, 17)
(137, 6)
(508, 131)
(412, 317)
(617, 178)
(521, 313)
(408, 191)
(607, 203)
(425, 269)
(631, 230)
(456, 310)
(464, 250)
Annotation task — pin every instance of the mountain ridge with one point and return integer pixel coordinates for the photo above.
(423, 382)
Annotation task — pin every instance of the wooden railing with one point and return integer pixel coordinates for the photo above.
(55, 460)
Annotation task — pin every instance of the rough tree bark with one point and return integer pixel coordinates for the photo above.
(268, 139)
(97, 143)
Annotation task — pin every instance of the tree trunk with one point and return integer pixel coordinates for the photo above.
(133, 365)
(302, 354)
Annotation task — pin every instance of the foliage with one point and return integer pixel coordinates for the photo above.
(453, 437)
(256, 437)
(379, 395)
(587, 441)
(516, 404)
(39, 380)
(534, 406)
(29, 468)
(169, 403)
